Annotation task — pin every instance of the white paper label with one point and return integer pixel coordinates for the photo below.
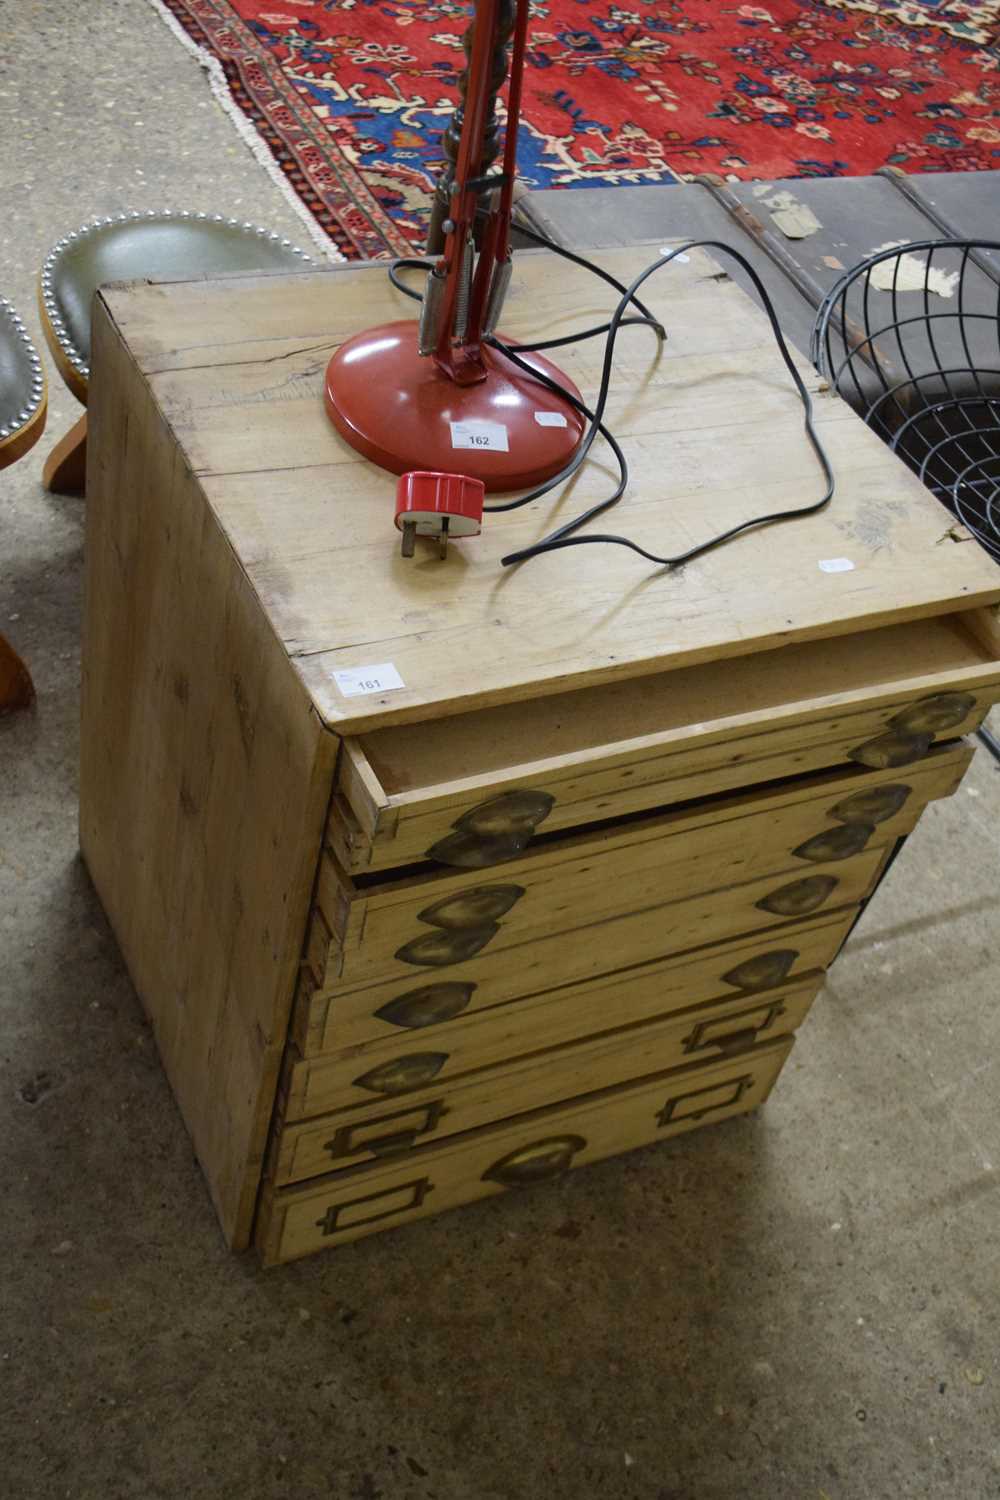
(490, 437)
(355, 682)
(666, 249)
(550, 419)
(836, 565)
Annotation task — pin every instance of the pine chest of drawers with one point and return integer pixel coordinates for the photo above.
(438, 879)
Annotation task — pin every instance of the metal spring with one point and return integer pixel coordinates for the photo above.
(464, 291)
(430, 313)
(498, 294)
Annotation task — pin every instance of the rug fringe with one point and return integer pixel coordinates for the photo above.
(220, 90)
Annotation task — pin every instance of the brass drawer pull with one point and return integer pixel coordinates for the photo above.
(934, 714)
(701, 1102)
(403, 1073)
(762, 971)
(494, 831)
(506, 815)
(467, 851)
(435, 950)
(427, 1006)
(484, 903)
(835, 843)
(387, 1135)
(374, 1206)
(537, 1162)
(799, 897)
(465, 923)
(749, 1026)
(876, 804)
(898, 748)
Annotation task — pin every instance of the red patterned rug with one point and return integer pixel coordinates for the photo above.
(351, 95)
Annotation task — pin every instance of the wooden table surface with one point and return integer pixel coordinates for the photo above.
(713, 431)
(238, 554)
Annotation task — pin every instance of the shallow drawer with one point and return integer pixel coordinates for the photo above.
(445, 1020)
(404, 1104)
(535, 1148)
(461, 1040)
(472, 791)
(345, 1016)
(432, 921)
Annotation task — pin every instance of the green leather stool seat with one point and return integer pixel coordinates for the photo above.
(131, 246)
(22, 381)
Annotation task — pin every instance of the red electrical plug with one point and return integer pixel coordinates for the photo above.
(441, 505)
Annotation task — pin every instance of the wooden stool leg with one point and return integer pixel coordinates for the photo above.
(16, 687)
(65, 469)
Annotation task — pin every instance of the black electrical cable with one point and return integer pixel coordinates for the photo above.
(609, 438)
(562, 538)
(418, 263)
(588, 265)
(592, 333)
(408, 263)
(414, 263)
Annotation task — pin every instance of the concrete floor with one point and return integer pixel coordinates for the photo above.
(797, 1306)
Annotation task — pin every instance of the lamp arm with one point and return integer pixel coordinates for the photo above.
(441, 205)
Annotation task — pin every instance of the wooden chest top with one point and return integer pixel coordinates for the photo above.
(713, 431)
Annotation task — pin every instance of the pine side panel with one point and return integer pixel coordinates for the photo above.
(205, 779)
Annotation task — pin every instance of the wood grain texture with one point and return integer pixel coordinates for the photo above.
(236, 368)
(477, 1037)
(328, 1211)
(620, 749)
(508, 1086)
(571, 956)
(65, 469)
(238, 555)
(205, 777)
(616, 868)
(985, 626)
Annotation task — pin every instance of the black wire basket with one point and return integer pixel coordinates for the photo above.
(911, 338)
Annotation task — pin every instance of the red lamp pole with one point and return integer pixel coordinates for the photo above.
(436, 395)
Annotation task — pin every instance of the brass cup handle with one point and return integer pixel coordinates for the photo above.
(897, 748)
(799, 897)
(494, 831)
(935, 714)
(401, 1074)
(875, 804)
(763, 970)
(538, 1162)
(842, 842)
(910, 732)
(428, 1005)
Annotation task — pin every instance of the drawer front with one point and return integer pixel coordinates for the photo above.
(442, 1017)
(354, 1015)
(878, 700)
(408, 928)
(538, 1147)
(391, 1114)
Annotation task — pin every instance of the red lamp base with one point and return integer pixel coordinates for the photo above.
(397, 408)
